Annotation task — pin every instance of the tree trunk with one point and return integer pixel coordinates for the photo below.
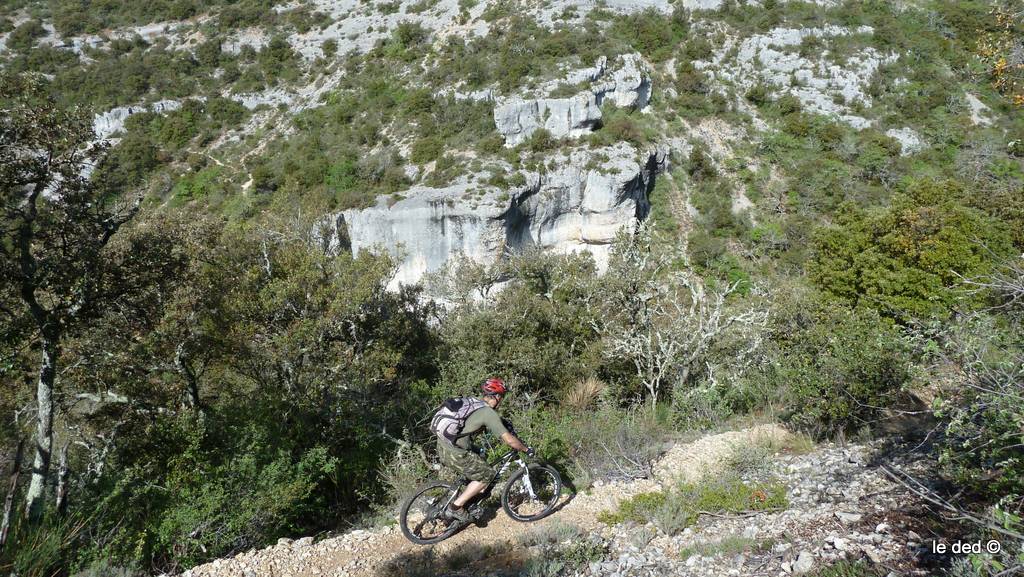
(5, 525)
(62, 480)
(44, 429)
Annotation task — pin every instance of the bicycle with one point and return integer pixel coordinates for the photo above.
(530, 494)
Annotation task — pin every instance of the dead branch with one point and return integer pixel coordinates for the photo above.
(919, 489)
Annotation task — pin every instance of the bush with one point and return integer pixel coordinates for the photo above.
(238, 505)
(201, 184)
(838, 368)
(982, 412)
(426, 150)
(602, 443)
(674, 510)
(25, 36)
(902, 259)
(700, 165)
(622, 125)
(405, 470)
(541, 141)
(648, 32)
(758, 94)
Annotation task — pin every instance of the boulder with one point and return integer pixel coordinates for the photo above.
(910, 141)
(804, 563)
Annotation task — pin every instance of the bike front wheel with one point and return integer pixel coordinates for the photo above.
(420, 516)
(532, 493)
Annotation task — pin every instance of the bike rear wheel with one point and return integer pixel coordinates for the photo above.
(532, 493)
(420, 516)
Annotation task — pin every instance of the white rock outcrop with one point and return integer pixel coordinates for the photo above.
(570, 209)
(516, 119)
(910, 141)
(629, 86)
(979, 111)
(821, 83)
(112, 121)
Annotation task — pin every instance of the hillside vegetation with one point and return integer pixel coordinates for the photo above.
(195, 362)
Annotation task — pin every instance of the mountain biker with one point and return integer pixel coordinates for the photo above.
(460, 455)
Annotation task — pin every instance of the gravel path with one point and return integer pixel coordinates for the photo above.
(840, 507)
(362, 553)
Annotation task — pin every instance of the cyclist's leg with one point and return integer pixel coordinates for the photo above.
(471, 466)
(473, 489)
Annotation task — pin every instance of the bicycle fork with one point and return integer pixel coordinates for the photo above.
(526, 480)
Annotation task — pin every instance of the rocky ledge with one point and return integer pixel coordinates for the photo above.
(580, 204)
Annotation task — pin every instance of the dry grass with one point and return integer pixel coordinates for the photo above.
(585, 394)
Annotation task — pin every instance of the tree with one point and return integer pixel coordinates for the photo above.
(55, 227)
(665, 319)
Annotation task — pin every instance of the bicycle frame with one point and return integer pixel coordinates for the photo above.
(505, 461)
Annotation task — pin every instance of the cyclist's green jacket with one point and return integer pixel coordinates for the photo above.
(484, 417)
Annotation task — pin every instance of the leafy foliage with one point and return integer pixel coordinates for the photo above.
(903, 259)
(837, 368)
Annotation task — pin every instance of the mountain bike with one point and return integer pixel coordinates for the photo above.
(531, 493)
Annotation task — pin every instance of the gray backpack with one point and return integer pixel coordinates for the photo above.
(451, 417)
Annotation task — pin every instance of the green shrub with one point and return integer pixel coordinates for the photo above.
(903, 259)
(674, 510)
(700, 166)
(649, 33)
(126, 167)
(541, 141)
(758, 94)
(25, 36)
(982, 412)
(426, 150)
(622, 125)
(838, 368)
(637, 508)
(201, 184)
(237, 505)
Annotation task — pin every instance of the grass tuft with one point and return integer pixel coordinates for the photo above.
(673, 511)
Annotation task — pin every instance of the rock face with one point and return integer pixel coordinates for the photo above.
(112, 121)
(516, 119)
(629, 86)
(910, 141)
(572, 208)
(822, 83)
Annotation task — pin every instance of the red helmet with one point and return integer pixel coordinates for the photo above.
(494, 386)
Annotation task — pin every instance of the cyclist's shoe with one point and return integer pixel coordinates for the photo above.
(460, 515)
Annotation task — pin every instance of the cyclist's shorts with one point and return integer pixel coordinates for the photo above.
(466, 463)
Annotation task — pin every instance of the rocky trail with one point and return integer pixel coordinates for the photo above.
(841, 506)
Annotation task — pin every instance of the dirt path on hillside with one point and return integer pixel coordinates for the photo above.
(386, 552)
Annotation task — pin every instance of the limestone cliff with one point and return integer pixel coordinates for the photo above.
(579, 206)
